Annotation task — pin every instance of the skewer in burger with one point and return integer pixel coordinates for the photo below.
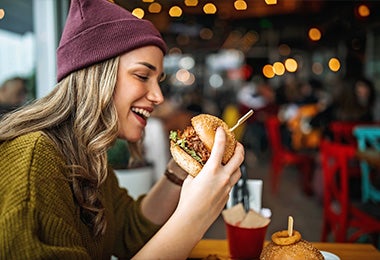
(191, 147)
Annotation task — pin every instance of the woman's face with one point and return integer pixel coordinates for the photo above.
(137, 90)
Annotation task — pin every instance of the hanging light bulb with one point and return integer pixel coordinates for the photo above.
(363, 10)
(138, 12)
(271, 2)
(315, 34)
(154, 8)
(2, 13)
(240, 5)
(191, 2)
(209, 8)
(175, 11)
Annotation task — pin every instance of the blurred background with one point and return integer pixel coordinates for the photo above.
(214, 45)
(225, 57)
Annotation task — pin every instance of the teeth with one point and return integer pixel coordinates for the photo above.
(141, 112)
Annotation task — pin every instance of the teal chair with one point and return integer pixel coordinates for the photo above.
(368, 138)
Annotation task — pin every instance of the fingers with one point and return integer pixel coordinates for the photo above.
(237, 159)
(235, 177)
(219, 145)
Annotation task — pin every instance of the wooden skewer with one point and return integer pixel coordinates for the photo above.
(242, 120)
(290, 226)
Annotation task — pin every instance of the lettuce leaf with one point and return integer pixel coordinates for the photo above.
(181, 142)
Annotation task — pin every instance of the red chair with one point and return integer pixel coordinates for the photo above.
(282, 157)
(343, 219)
(342, 132)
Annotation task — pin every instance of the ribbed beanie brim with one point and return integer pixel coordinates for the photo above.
(97, 30)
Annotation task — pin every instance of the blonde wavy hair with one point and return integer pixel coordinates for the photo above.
(80, 118)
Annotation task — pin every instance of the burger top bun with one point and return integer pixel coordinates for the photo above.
(205, 126)
(293, 247)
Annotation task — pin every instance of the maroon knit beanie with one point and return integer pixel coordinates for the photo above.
(97, 30)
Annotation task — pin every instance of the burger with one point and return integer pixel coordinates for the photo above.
(191, 147)
(288, 247)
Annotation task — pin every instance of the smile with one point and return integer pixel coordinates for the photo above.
(141, 112)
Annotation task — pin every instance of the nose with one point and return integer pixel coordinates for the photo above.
(155, 94)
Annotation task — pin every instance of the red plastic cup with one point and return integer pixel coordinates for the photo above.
(245, 243)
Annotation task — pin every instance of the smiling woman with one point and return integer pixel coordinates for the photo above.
(53, 153)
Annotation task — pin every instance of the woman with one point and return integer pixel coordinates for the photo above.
(58, 197)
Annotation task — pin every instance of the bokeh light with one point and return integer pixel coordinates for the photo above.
(291, 65)
(240, 5)
(334, 64)
(315, 34)
(209, 8)
(363, 11)
(278, 68)
(2, 13)
(317, 68)
(268, 71)
(154, 8)
(175, 11)
(191, 2)
(138, 12)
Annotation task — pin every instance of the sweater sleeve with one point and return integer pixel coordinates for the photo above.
(37, 211)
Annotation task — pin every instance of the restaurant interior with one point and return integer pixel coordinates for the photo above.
(287, 60)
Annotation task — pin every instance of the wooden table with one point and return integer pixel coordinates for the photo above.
(346, 251)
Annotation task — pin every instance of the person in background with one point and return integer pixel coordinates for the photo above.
(353, 102)
(12, 94)
(59, 197)
(312, 99)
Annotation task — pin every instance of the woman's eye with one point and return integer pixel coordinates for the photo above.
(141, 77)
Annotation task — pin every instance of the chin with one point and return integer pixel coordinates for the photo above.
(131, 137)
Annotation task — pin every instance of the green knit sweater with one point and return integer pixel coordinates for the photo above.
(39, 218)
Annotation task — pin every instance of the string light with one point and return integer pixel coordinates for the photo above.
(291, 65)
(191, 2)
(271, 2)
(315, 34)
(138, 12)
(175, 11)
(209, 8)
(278, 68)
(240, 5)
(363, 11)
(154, 8)
(268, 71)
(334, 64)
(2, 13)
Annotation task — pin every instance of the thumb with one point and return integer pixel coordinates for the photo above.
(217, 151)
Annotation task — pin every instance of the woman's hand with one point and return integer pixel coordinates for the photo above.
(201, 201)
(204, 197)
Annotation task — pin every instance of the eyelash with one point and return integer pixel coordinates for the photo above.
(143, 78)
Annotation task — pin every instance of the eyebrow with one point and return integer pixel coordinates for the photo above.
(151, 67)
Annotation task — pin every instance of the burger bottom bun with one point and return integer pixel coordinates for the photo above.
(298, 251)
(184, 160)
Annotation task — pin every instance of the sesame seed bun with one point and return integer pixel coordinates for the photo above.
(290, 249)
(205, 126)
